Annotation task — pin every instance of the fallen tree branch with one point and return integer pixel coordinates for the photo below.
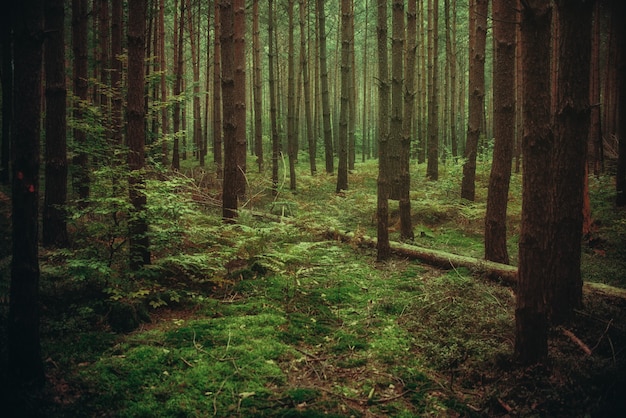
(497, 271)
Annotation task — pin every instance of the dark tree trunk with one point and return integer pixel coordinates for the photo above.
(258, 98)
(342, 169)
(229, 194)
(531, 323)
(292, 139)
(432, 168)
(476, 96)
(504, 17)
(80, 18)
(570, 150)
(382, 206)
(117, 21)
(239, 42)
(178, 84)
(328, 134)
(304, 54)
(217, 95)
(397, 81)
(25, 367)
(54, 224)
(621, 159)
(6, 42)
(165, 120)
(136, 133)
(273, 99)
(596, 148)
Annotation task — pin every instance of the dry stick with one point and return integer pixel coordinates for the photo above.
(576, 340)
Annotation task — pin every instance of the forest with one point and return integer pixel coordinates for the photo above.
(306, 208)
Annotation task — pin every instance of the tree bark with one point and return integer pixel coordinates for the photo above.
(328, 134)
(342, 170)
(504, 17)
(139, 242)
(217, 94)
(478, 39)
(6, 42)
(54, 223)
(531, 322)
(179, 25)
(291, 101)
(273, 99)
(382, 199)
(25, 366)
(432, 168)
(239, 61)
(258, 98)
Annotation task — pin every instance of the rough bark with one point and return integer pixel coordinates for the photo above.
(139, 242)
(179, 26)
(239, 62)
(165, 120)
(25, 366)
(531, 322)
(342, 170)
(54, 223)
(291, 101)
(217, 94)
(478, 38)
(504, 15)
(327, 128)
(432, 168)
(273, 99)
(397, 82)
(258, 98)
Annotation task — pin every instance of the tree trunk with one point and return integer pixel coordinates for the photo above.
(273, 99)
(432, 169)
(239, 43)
(25, 366)
(596, 148)
(54, 224)
(504, 16)
(570, 148)
(304, 60)
(328, 134)
(342, 171)
(178, 82)
(258, 98)
(406, 228)
(531, 323)
(478, 39)
(397, 81)
(139, 242)
(6, 73)
(291, 102)
(382, 205)
(165, 120)
(621, 159)
(217, 94)
(80, 18)
(195, 66)
(117, 13)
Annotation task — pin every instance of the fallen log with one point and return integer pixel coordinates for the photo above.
(496, 271)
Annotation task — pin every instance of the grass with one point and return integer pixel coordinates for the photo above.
(272, 321)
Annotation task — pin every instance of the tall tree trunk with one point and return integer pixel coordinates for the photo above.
(24, 354)
(195, 66)
(620, 178)
(6, 42)
(116, 72)
(382, 199)
(432, 168)
(570, 150)
(451, 59)
(258, 94)
(328, 134)
(139, 242)
(406, 227)
(478, 39)
(504, 17)
(304, 54)
(217, 94)
(80, 18)
(531, 323)
(273, 99)
(596, 148)
(291, 101)
(366, 150)
(239, 62)
(165, 120)
(342, 170)
(397, 80)
(54, 224)
(179, 26)
(104, 46)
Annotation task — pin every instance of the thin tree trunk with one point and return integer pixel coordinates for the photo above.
(54, 223)
(116, 72)
(432, 169)
(195, 66)
(310, 137)
(239, 43)
(382, 205)
(342, 171)
(178, 82)
(165, 120)
(328, 135)
(291, 101)
(394, 146)
(217, 94)
(7, 95)
(504, 16)
(273, 99)
(136, 116)
(258, 98)
(478, 39)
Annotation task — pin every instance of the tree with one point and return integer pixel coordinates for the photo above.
(54, 223)
(504, 17)
(139, 242)
(432, 168)
(179, 25)
(382, 198)
(80, 162)
(342, 170)
(6, 42)
(258, 99)
(217, 93)
(478, 39)
(406, 227)
(24, 353)
(397, 82)
(165, 120)
(304, 62)
(570, 149)
(621, 160)
(117, 12)
(239, 62)
(531, 323)
(273, 99)
(328, 135)
(291, 101)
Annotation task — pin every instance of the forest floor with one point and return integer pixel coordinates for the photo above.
(269, 319)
